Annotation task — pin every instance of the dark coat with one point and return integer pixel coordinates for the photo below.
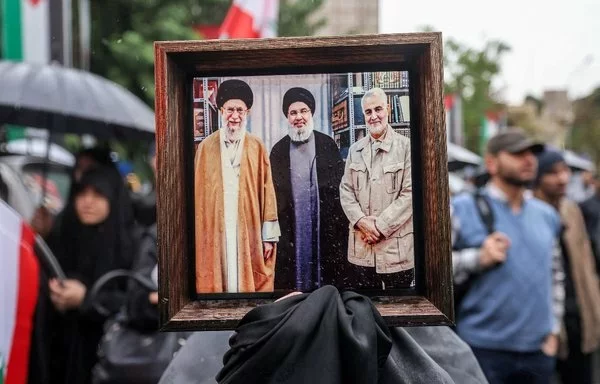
(141, 314)
(590, 209)
(333, 222)
(418, 354)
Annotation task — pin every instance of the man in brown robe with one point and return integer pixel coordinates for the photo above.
(235, 204)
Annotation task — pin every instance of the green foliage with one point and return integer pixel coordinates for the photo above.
(295, 18)
(585, 134)
(470, 73)
(124, 31)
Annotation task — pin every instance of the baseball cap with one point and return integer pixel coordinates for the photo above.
(513, 140)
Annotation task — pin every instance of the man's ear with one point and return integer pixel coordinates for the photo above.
(248, 111)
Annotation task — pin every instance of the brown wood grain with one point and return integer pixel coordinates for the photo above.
(436, 219)
(225, 314)
(175, 65)
(173, 255)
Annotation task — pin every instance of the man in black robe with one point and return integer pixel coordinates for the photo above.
(307, 169)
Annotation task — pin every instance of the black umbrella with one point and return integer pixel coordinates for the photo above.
(65, 100)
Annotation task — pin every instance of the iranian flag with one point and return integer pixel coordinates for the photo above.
(250, 19)
(19, 287)
(26, 30)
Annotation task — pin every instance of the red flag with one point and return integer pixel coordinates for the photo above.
(19, 278)
(250, 19)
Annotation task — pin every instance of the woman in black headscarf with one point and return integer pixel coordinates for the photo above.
(48, 226)
(94, 240)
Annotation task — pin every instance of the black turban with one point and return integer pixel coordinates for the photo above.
(234, 89)
(298, 94)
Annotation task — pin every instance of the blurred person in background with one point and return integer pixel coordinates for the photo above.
(582, 186)
(512, 311)
(43, 222)
(93, 239)
(144, 205)
(141, 304)
(580, 335)
(591, 214)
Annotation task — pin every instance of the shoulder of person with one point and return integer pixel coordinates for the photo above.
(400, 137)
(215, 136)
(360, 144)
(280, 144)
(546, 210)
(463, 200)
(254, 140)
(324, 140)
(542, 206)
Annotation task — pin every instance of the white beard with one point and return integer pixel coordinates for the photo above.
(377, 131)
(233, 134)
(302, 134)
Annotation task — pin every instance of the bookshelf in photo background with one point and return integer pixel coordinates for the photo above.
(347, 92)
(205, 112)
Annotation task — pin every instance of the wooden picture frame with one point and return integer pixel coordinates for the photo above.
(178, 62)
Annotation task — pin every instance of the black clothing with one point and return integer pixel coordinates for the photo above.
(419, 355)
(323, 337)
(141, 314)
(86, 252)
(333, 221)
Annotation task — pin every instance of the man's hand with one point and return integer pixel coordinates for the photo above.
(268, 249)
(550, 345)
(68, 295)
(370, 233)
(42, 221)
(494, 250)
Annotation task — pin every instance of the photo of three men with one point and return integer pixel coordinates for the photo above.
(300, 217)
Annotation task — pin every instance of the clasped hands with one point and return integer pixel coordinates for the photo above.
(368, 230)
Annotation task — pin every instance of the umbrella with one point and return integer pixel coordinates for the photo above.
(459, 157)
(38, 147)
(578, 162)
(64, 100)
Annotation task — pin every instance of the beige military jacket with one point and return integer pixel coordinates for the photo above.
(380, 186)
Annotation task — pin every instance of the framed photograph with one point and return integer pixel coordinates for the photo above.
(325, 166)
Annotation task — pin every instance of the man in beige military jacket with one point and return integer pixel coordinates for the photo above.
(376, 195)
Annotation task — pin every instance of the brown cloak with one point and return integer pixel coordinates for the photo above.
(256, 205)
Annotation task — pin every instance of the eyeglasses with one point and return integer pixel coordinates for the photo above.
(240, 111)
(303, 111)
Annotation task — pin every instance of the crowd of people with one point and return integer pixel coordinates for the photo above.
(525, 261)
(530, 301)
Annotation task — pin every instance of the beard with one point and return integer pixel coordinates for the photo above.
(513, 179)
(233, 134)
(377, 131)
(301, 134)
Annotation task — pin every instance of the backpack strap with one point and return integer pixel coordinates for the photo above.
(485, 211)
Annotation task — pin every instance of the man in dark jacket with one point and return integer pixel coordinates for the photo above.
(307, 170)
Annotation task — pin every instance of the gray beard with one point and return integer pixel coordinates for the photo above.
(377, 131)
(233, 135)
(299, 135)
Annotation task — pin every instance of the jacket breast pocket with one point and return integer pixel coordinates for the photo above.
(359, 175)
(392, 174)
